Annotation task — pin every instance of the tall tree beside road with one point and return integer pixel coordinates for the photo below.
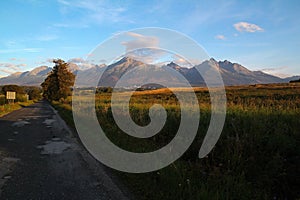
(34, 93)
(58, 83)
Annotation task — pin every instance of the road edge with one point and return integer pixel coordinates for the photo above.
(95, 166)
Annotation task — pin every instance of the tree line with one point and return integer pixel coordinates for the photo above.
(295, 81)
(55, 87)
(33, 91)
(59, 82)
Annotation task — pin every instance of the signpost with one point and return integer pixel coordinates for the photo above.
(10, 96)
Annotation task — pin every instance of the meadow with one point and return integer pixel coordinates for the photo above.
(6, 108)
(256, 157)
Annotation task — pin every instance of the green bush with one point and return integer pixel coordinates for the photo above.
(21, 98)
(2, 99)
(35, 93)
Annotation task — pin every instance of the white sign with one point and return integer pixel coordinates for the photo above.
(11, 95)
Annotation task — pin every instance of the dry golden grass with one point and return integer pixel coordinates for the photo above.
(256, 157)
(166, 91)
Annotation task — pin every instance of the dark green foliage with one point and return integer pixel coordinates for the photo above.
(21, 97)
(104, 90)
(295, 81)
(13, 88)
(257, 156)
(20, 92)
(34, 93)
(2, 100)
(59, 82)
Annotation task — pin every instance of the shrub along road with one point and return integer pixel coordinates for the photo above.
(39, 159)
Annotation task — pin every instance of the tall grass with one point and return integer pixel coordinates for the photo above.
(7, 108)
(257, 156)
(2, 99)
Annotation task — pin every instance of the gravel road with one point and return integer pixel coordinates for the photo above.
(39, 159)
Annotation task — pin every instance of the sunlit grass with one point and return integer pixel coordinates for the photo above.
(7, 108)
(257, 156)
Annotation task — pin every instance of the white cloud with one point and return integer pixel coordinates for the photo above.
(47, 37)
(93, 12)
(247, 27)
(13, 66)
(77, 60)
(17, 59)
(199, 15)
(11, 44)
(220, 37)
(32, 50)
(143, 48)
(282, 75)
(7, 71)
(274, 69)
(10, 68)
(45, 61)
(81, 63)
(26, 50)
(84, 66)
(140, 41)
(277, 71)
(49, 60)
(181, 61)
(63, 2)
(71, 25)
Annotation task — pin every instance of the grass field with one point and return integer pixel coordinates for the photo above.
(257, 156)
(7, 108)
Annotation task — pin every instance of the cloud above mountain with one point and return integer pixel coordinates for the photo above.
(77, 60)
(140, 41)
(277, 71)
(10, 68)
(81, 63)
(143, 48)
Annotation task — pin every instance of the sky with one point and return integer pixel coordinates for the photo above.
(260, 35)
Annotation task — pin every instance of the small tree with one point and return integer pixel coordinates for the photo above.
(34, 93)
(13, 88)
(58, 83)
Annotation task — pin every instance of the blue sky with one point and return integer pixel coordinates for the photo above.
(261, 35)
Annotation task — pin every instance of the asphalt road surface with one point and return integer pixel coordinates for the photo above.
(39, 159)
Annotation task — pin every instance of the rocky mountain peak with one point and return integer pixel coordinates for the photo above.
(39, 70)
(232, 73)
(234, 67)
(73, 67)
(173, 65)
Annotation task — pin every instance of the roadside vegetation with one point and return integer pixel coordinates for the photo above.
(57, 85)
(257, 156)
(25, 96)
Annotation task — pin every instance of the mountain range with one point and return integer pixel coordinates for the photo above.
(232, 74)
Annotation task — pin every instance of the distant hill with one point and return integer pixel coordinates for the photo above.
(236, 74)
(33, 77)
(232, 73)
(293, 79)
